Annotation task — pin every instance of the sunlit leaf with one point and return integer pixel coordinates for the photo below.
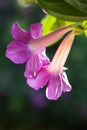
(28, 1)
(85, 27)
(51, 23)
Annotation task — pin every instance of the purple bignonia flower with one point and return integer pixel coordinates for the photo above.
(29, 46)
(54, 73)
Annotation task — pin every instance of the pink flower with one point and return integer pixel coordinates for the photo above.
(21, 51)
(54, 73)
(29, 47)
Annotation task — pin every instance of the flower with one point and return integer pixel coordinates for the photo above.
(19, 50)
(29, 47)
(54, 73)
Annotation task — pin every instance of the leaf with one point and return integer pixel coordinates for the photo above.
(85, 27)
(78, 4)
(63, 10)
(29, 1)
(51, 23)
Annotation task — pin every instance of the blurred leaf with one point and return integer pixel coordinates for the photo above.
(85, 27)
(50, 23)
(63, 10)
(28, 1)
(78, 4)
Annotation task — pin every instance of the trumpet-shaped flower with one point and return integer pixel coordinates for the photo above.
(29, 46)
(54, 73)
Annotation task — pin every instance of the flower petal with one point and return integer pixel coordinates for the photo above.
(55, 88)
(20, 34)
(36, 30)
(44, 60)
(66, 85)
(17, 52)
(32, 67)
(40, 81)
(57, 84)
(34, 64)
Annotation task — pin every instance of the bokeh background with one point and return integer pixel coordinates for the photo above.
(22, 108)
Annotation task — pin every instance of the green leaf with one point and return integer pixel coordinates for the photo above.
(78, 4)
(51, 23)
(85, 27)
(29, 1)
(63, 10)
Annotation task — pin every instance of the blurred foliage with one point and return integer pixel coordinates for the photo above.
(50, 23)
(28, 1)
(72, 10)
(22, 108)
(84, 24)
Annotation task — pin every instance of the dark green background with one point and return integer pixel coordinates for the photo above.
(22, 108)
